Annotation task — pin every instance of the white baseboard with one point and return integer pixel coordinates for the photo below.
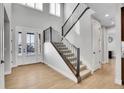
(68, 75)
(14, 66)
(7, 72)
(118, 81)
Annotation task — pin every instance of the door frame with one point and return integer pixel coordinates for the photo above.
(95, 67)
(2, 80)
(25, 30)
(7, 38)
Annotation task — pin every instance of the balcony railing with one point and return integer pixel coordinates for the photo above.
(77, 13)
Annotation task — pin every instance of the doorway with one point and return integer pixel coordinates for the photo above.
(29, 43)
(1, 46)
(7, 44)
(97, 44)
(5, 52)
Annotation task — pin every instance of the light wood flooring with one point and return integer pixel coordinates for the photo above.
(40, 76)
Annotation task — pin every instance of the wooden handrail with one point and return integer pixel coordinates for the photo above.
(71, 14)
(75, 21)
(75, 70)
(66, 61)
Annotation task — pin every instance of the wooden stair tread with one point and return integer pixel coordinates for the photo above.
(72, 58)
(73, 63)
(85, 73)
(59, 46)
(58, 43)
(66, 54)
(82, 67)
(63, 48)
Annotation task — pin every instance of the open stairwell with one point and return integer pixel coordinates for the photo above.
(61, 47)
(68, 53)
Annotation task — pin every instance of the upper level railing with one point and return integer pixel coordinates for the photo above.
(77, 13)
(54, 36)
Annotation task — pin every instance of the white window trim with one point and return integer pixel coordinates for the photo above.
(55, 10)
(34, 8)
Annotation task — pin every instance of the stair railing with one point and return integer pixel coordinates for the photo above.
(75, 16)
(53, 36)
(50, 35)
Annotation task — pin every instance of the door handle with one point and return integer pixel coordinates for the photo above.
(2, 61)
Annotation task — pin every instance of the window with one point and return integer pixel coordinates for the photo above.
(30, 4)
(30, 43)
(39, 43)
(23, 3)
(19, 43)
(39, 6)
(55, 9)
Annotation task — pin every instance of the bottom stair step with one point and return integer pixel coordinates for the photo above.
(82, 67)
(85, 73)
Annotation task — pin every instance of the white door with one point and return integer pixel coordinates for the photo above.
(97, 45)
(1, 47)
(28, 46)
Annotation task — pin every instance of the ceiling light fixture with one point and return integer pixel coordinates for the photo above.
(106, 15)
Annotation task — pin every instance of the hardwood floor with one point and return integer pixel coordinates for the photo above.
(41, 76)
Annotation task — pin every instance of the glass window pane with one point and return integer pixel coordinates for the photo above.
(28, 38)
(23, 3)
(32, 38)
(20, 49)
(52, 8)
(19, 43)
(19, 37)
(39, 6)
(30, 43)
(39, 43)
(30, 4)
(57, 9)
(30, 48)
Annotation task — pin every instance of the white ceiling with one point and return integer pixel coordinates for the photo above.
(101, 10)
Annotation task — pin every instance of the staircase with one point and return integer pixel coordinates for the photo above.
(69, 52)
(61, 47)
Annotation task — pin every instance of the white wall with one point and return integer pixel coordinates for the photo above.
(8, 10)
(56, 62)
(105, 45)
(2, 85)
(7, 47)
(29, 17)
(111, 33)
(8, 39)
(68, 8)
(96, 44)
(118, 44)
(81, 35)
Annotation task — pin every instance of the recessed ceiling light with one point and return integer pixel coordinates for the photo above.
(106, 15)
(112, 23)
